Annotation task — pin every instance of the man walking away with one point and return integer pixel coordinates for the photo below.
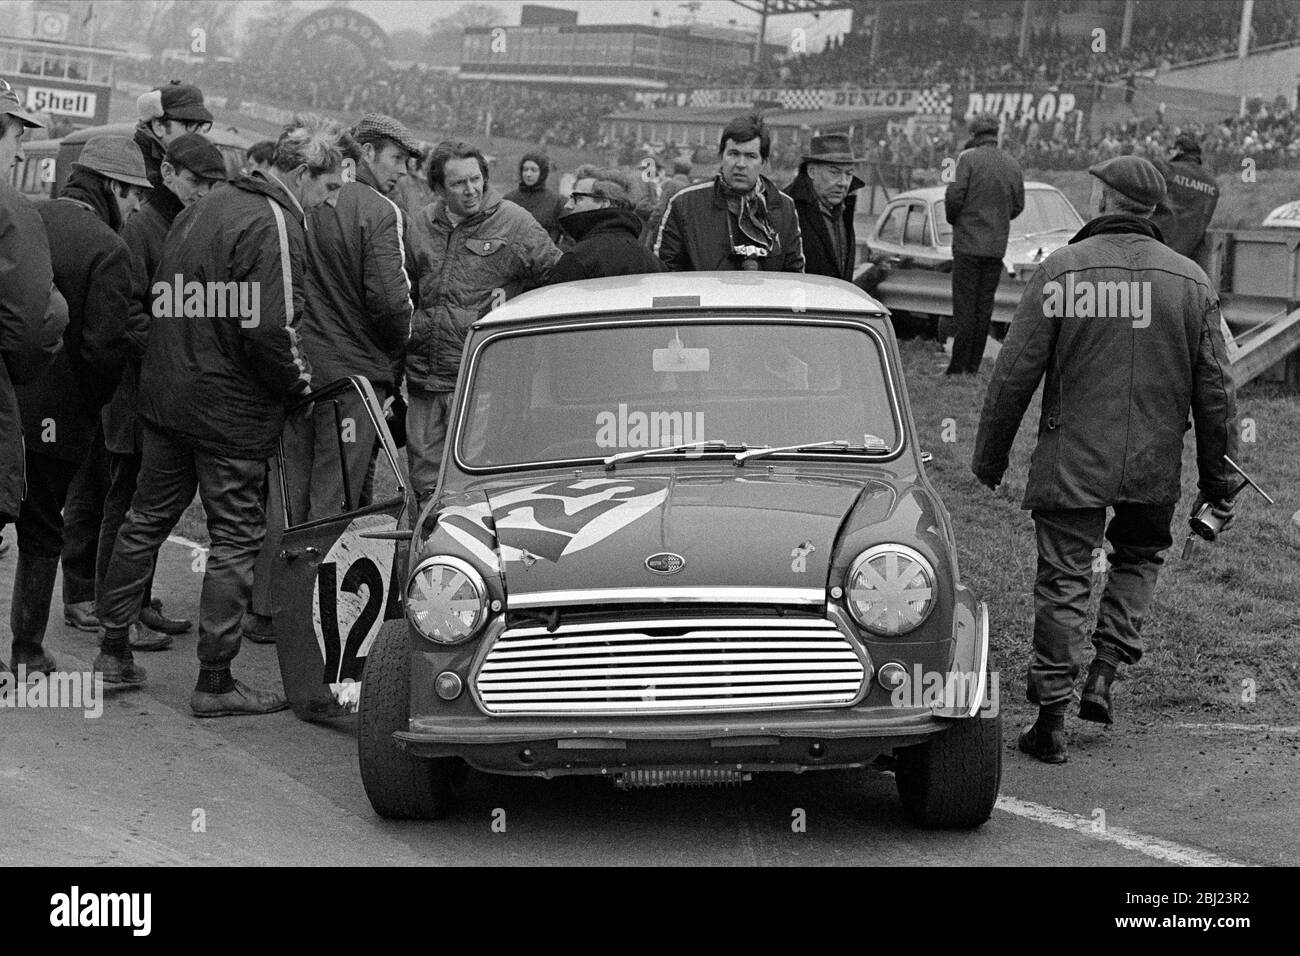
(535, 196)
(471, 250)
(825, 197)
(739, 219)
(605, 229)
(1193, 194)
(1138, 346)
(33, 313)
(987, 192)
(237, 366)
(60, 408)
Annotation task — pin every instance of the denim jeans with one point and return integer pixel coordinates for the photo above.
(1069, 552)
(230, 489)
(123, 470)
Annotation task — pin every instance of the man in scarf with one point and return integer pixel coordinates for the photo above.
(739, 219)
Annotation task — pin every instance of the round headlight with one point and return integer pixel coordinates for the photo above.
(446, 599)
(891, 589)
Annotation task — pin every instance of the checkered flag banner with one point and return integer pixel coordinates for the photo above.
(801, 99)
(934, 102)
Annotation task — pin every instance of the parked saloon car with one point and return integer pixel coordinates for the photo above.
(775, 590)
(912, 228)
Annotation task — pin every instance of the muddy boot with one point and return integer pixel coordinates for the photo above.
(218, 694)
(115, 662)
(33, 591)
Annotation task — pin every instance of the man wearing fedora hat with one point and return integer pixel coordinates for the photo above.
(825, 195)
(60, 408)
(986, 193)
(1128, 335)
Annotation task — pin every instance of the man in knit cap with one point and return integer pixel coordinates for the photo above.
(1128, 333)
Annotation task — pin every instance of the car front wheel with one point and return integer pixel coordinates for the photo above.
(951, 781)
(400, 787)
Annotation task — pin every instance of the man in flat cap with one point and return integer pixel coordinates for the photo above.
(1128, 334)
(167, 113)
(1193, 193)
(33, 313)
(986, 193)
(190, 167)
(60, 408)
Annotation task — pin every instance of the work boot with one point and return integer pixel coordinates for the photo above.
(1095, 704)
(220, 695)
(115, 662)
(81, 615)
(30, 611)
(143, 639)
(258, 628)
(1045, 738)
(152, 617)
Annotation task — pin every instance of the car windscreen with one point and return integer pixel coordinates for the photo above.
(1045, 210)
(598, 391)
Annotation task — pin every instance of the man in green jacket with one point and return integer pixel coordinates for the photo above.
(1128, 334)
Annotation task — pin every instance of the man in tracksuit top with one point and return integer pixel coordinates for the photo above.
(357, 321)
(223, 362)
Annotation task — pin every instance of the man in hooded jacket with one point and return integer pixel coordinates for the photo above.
(535, 196)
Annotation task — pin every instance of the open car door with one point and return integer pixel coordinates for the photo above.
(342, 556)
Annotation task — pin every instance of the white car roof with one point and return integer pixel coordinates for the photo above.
(759, 291)
(935, 193)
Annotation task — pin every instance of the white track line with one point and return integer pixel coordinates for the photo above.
(186, 542)
(1164, 850)
(1239, 728)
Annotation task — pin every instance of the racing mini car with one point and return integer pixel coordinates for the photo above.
(683, 535)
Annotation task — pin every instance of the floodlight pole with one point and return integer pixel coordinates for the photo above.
(1024, 30)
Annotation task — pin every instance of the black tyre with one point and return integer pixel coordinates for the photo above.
(400, 787)
(951, 781)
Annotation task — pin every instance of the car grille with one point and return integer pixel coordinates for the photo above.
(701, 665)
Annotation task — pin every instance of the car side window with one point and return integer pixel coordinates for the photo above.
(916, 231)
(942, 225)
(891, 230)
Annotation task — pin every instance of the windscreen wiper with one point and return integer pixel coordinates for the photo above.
(720, 445)
(871, 443)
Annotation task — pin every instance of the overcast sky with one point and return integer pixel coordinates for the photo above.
(418, 14)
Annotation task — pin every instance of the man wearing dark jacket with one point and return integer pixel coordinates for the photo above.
(679, 180)
(987, 192)
(1185, 213)
(737, 220)
(33, 313)
(1128, 334)
(534, 195)
(605, 229)
(60, 408)
(222, 363)
(189, 169)
(825, 196)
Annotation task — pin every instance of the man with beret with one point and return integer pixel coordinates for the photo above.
(191, 166)
(166, 113)
(1192, 195)
(60, 408)
(1128, 334)
(986, 193)
(33, 313)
